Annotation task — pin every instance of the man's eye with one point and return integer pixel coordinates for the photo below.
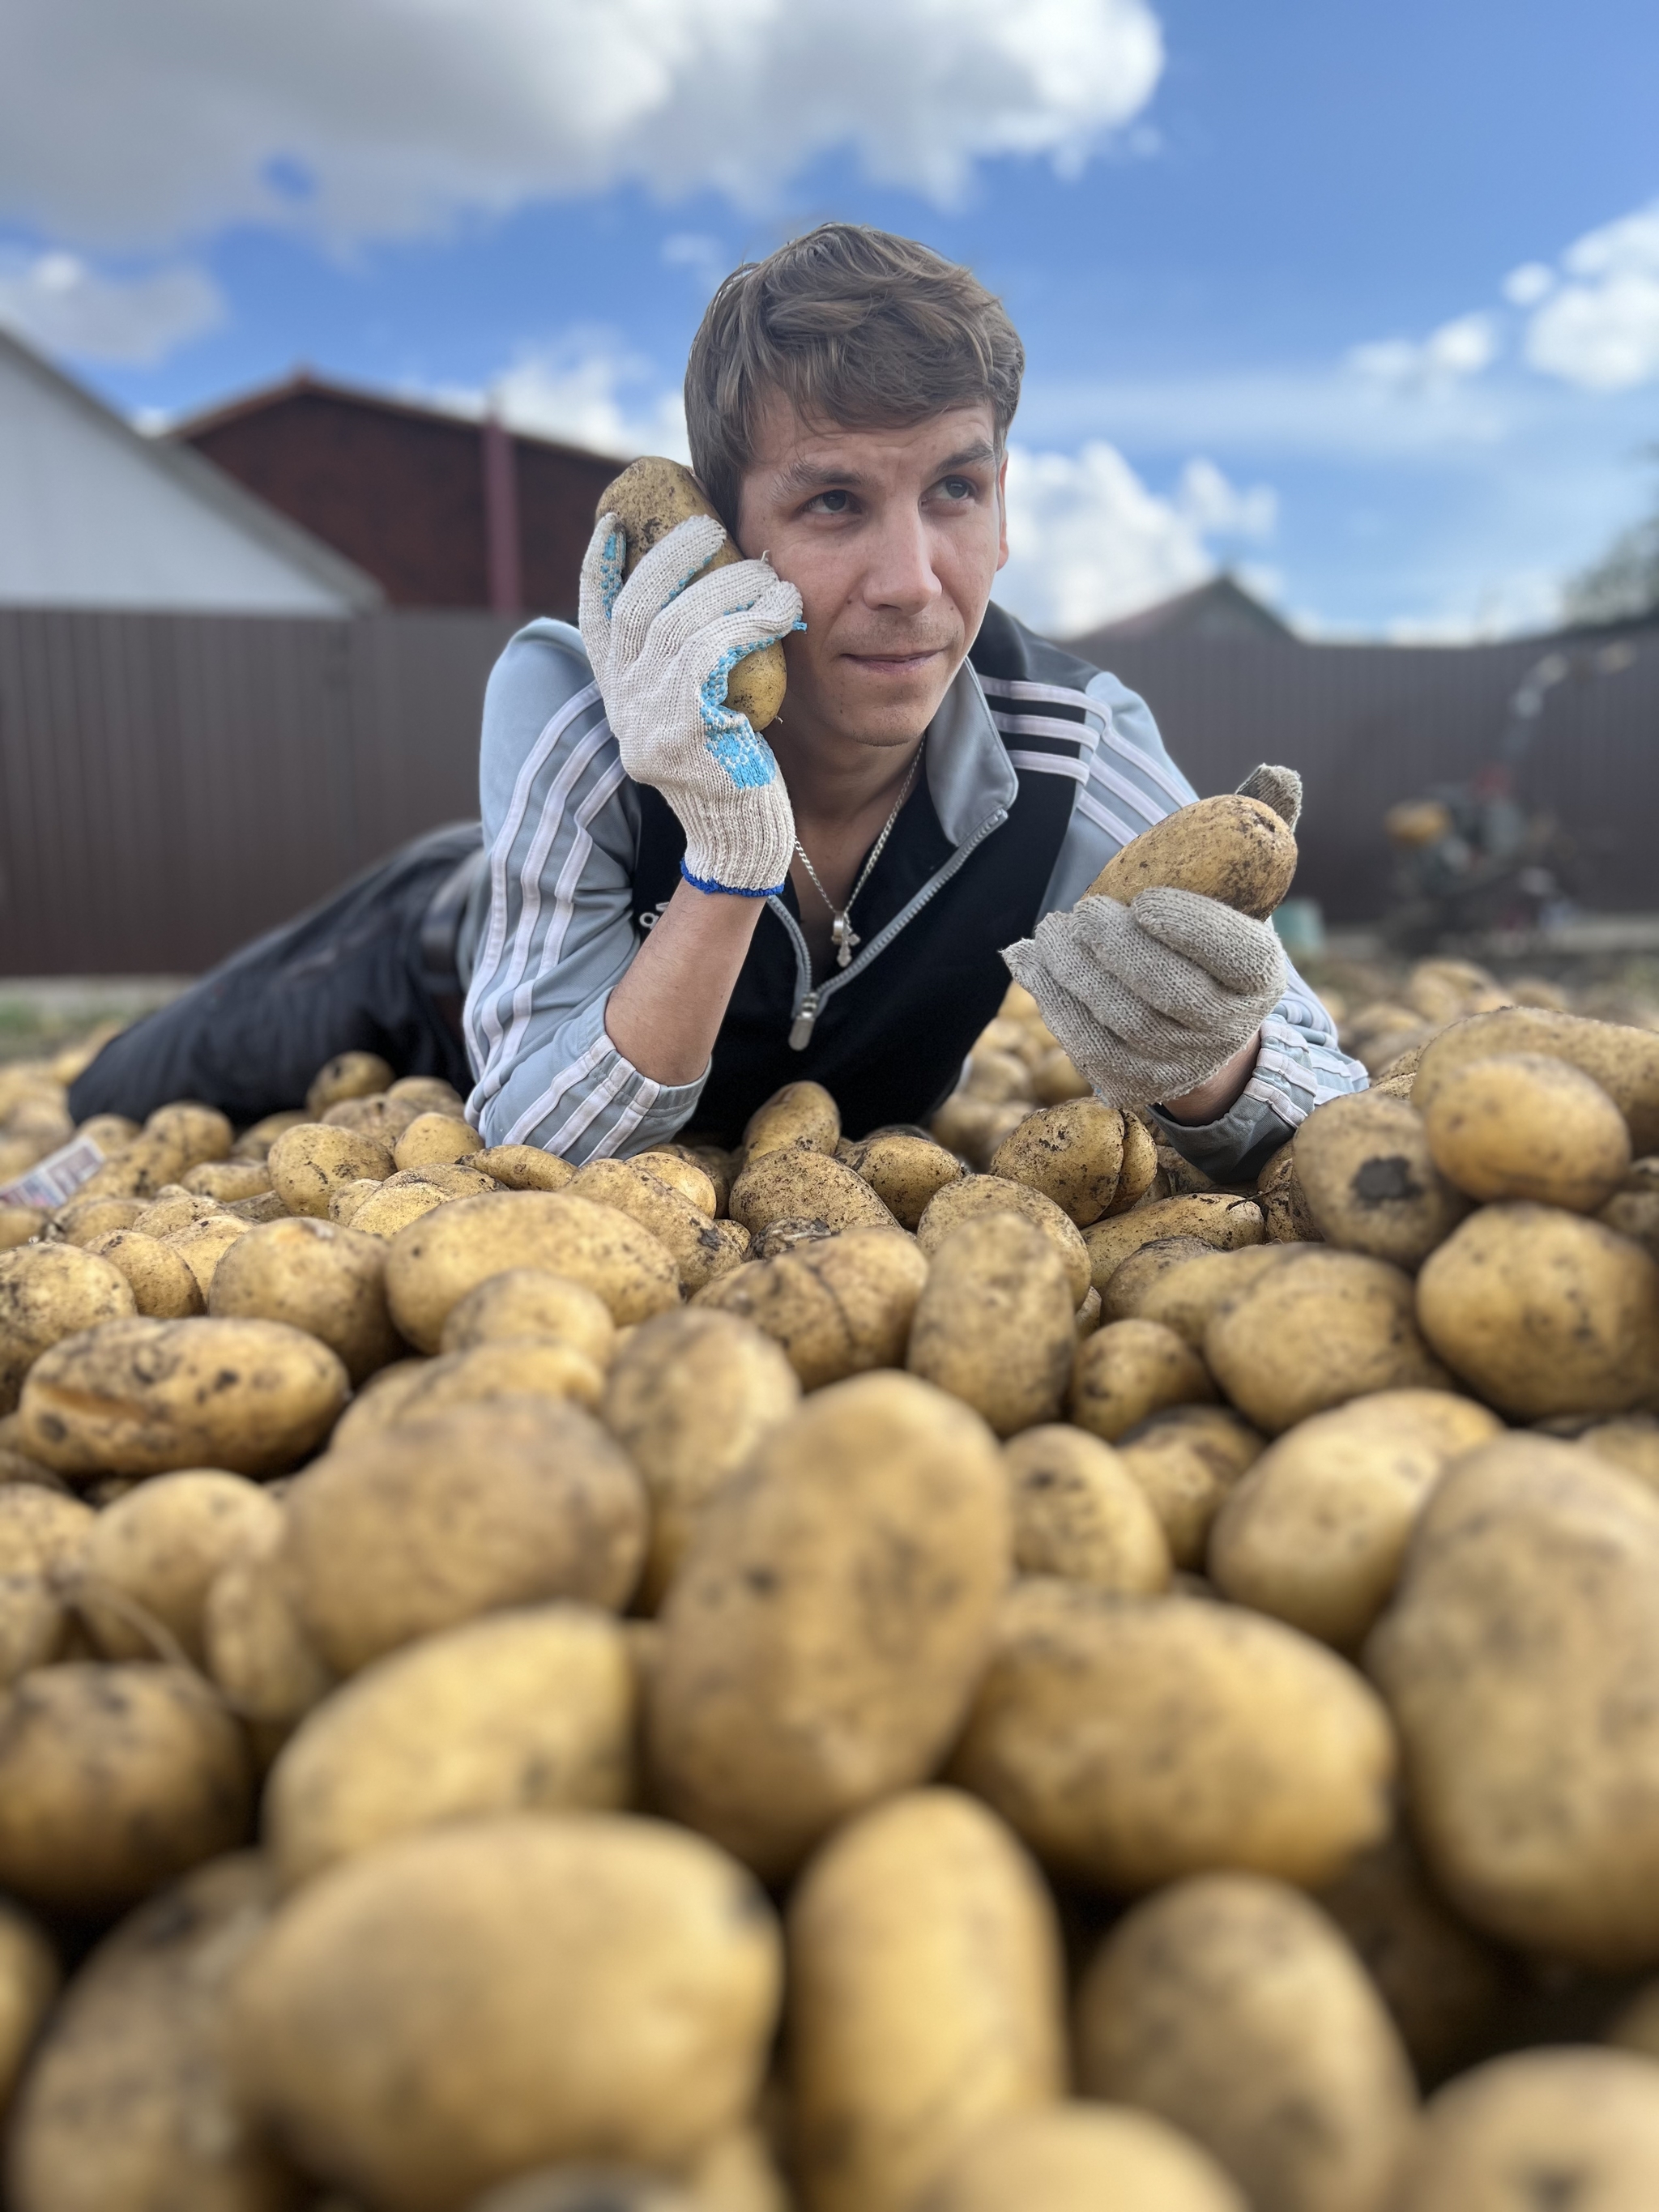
(956, 488)
(829, 502)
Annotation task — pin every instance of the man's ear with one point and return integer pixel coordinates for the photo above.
(1002, 513)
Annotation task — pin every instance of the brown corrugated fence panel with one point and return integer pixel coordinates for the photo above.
(172, 784)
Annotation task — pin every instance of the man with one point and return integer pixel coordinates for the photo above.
(672, 916)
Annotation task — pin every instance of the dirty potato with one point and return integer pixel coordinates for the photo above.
(904, 1170)
(426, 1525)
(1219, 1218)
(926, 1997)
(29, 1978)
(523, 1167)
(1524, 1126)
(1079, 1515)
(994, 1325)
(1071, 1153)
(837, 1305)
(1230, 847)
(531, 1302)
(1283, 1762)
(702, 1251)
(823, 1635)
(1624, 1061)
(48, 1293)
(688, 1397)
(799, 1114)
(1186, 1461)
(796, 1183)
(348, 1075)
(508, 1367)
(145, 1397)
(990, 1193)
(164, 1286)
(309, 1163)
(1079, 2157)
(1579, 2125)
(1128, 1371)
(315, 1276)
(1372, 1184)
(151, 1557)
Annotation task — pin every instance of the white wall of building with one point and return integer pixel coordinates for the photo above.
(92, 514)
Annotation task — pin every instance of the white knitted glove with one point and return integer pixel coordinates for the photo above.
(1151, 998)
(661, 647)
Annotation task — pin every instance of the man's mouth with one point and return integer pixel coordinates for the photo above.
(898, 659)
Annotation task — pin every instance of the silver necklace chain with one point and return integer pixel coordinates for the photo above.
(842, 935)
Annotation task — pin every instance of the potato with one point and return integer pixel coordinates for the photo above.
(145, 1397)
(1128, 1371)
(531, 1302)
(688, 1397)
(268, 1207)
(41, 1532)
(1521, 1661)
(701, 1251)
(113, 1780)
(309, 1163)
(1315, 1332)
(257, 1653)
(155, 1159)
(163, 1284)
(1563, 2127)
(227, 1180)
(994, 1325)
(348, 1075)
(828, 1624)
(1056, 1078)
(1364, 1165)
(1139, 1170)
(1282, 1762)
(648, 499)
(926, 1998)
(1079, 2158)
(437, 1140)
(84, 1220)
(618, 1980)
(1230, 2006)
(837, 1306)
(1230, 847)
(35, 1629)
(794, 1183)
(436, 1261)
(256, 1141)
(109, 1132)
(1624, 1061)
(200, 1132)
(1524, 1126)
(1186, 1460)
(904, 1171)
(48, 1293)
(973, 1127)
(1219, 1218)
(524, 1711)
(1079, 1515)
(1071, 1153)
(430, 1093)
(1541, 1312)
(523, 1167)
(1316, 1532)
(1189, 1299)
(683, 1175)
(800, 1114)
(204, 1243)
(1286, 1214)
(382, 1209)
(29, 1975)
(127, 2108)
(1132, 1282)
(980, 1194)
(998, 1078)
(428, 1524)
(1447, 1989)
(381, 1120)
(150, 1558)
(315, 1276)
(173, 1208)
(1631, 1444)
(511, 1367)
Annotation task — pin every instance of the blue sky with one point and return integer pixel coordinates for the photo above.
(1258, 254)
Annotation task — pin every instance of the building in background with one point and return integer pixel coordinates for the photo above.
(93, 515)
(1220, 609)
(441, 511)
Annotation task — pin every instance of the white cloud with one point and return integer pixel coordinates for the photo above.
(1532, 281)
(587, 389)
(56, 302)
(1601, 329)
(1088, 540)
(1458, 349)
(391, 118)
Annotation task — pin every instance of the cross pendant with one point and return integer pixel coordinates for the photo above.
(843, 936)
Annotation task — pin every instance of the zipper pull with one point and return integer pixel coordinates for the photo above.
(800, 1030)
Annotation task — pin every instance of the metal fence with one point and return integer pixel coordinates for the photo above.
(172, 784)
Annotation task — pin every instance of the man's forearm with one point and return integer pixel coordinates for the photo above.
(665, 1013)
(1224, 1088)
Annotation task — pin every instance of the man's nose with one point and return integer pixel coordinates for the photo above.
(900, 574)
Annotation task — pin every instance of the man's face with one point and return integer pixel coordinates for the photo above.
(892, 539)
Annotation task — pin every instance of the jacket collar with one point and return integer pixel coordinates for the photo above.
(969, 774)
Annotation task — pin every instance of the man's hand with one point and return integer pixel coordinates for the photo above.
(661, 647)
(1153, 999)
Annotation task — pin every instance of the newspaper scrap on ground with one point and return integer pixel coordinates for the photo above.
(51, 1182)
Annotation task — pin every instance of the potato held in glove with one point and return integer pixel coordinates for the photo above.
(648, 499)
(1237, 847)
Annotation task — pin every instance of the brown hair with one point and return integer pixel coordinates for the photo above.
(854, 327)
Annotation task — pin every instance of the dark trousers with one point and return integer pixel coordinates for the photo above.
(352, 975)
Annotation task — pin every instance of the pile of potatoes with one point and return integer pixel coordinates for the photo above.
(967, 1670)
